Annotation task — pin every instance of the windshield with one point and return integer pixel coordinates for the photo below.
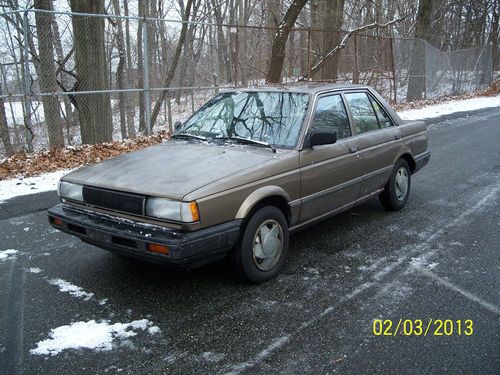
(272, 117)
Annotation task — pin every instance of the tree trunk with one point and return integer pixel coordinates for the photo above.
(47, 77)
(120, 69)
(140, 67)
(493, 38)
(333, 11)
(130, 103)
(173, 67)
(222, 47)
(68, 111)
(280, 39)
(94, 110)
(416, 72)
(4, 128)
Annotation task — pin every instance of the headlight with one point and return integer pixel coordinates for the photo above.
(68, 190)
(164, 208)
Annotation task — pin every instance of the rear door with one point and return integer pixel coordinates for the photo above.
(377, 137)
(330, 177)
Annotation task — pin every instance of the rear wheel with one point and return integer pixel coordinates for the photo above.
(397, 190)
(262, 249)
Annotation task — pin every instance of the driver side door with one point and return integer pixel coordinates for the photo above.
(330, 176)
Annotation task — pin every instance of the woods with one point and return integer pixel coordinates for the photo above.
(141, 65)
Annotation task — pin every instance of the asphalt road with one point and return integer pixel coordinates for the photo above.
(439, 258)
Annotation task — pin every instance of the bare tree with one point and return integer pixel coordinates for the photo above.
(280, 38)
(416, 72)
(47, 78)
(4, 128)
(94, 109)
(332, 22)
(173, 67)
(120, 69)
(63, 77)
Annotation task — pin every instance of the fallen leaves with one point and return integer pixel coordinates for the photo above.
(27, 165)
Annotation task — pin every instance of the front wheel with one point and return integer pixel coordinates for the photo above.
(262, 249)
(397, 190)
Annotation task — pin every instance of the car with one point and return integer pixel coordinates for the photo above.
(246, 170)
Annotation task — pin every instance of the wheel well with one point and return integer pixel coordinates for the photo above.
(276, 201)
(409, 159)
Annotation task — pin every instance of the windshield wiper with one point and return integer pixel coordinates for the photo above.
(248, 140)
(187, 135)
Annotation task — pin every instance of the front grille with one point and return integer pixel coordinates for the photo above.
(114, 200)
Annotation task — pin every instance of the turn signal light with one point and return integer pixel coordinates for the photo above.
(57, 221)
(161, 249)
(194, 211)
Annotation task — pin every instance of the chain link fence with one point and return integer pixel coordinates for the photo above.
(73, 78)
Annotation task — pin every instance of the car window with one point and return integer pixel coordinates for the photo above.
(331, 114)
(383, 118)
(272, 117)
(362, 112)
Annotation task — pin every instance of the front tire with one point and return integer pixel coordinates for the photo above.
(397, 190)
(261, 252)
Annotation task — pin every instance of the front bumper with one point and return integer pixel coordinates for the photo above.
(132, 237)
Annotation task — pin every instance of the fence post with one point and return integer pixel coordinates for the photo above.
(309, 54)
(393, 71)
(192, 99)
(27, 97)
(216, 85)
(145, 71)
(355, 78)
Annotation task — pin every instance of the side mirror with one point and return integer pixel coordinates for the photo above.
(177, 125)
(318, 137)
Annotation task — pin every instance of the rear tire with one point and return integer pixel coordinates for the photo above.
(397, 190)
(261, 252)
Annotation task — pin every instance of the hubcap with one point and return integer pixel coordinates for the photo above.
(267, 245)
(401, 184)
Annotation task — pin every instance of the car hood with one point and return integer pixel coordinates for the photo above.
(172, 169)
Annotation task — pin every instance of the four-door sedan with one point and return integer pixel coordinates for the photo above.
(246, 170)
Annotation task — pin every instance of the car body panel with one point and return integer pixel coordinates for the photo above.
(228, 181)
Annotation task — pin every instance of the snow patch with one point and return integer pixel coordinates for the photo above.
(421, 262)
(212, 357)
(67, 287)
(30, 185)
(8, 254)
(34, 270)
(89, 335)
(452, 106)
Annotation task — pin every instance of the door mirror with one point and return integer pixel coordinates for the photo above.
(318, 137)
(177, 125)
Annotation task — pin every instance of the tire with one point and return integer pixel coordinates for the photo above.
(396, 192)
(253, 262)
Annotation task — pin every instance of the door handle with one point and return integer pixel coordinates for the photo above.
(353, 149)
(397, 136)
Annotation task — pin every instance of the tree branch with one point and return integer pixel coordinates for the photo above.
(343, 44)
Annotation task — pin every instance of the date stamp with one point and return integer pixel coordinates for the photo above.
(419, 327)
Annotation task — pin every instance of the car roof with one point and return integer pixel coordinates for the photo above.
(309, 87)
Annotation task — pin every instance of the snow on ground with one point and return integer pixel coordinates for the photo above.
(34, 270)
(67, 287)
(90, 335)
(7, 254)
(30, 185)
(452, 106)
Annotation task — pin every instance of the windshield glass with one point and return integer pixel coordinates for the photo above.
(272, 117)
